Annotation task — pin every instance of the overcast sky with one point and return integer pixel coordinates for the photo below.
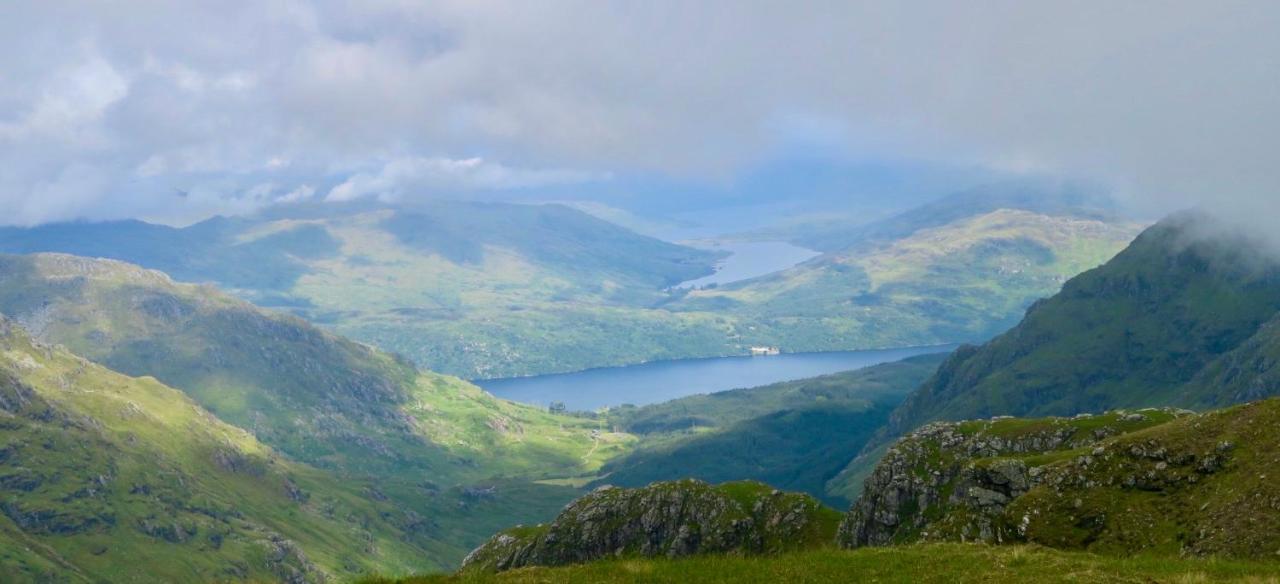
(173, 111)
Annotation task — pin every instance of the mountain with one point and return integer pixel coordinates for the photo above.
(967, 279)
(1180, 317)
(1042, 197)
(671, 520)
(478, 289)
(316, 396)
(1152, 481)
(795, 435)
(423, 443)
(485, 290)
(105, 477)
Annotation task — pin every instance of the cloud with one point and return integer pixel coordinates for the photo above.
(106, 110)
(403, 176)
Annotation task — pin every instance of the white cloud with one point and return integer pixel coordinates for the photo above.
(107, 108)
(403, 177)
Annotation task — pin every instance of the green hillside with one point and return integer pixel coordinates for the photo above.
(316, 396)
(795, 435)
(1173, 319)
(436, 446)
(113, 478)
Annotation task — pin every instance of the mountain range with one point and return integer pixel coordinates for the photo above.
(486, 290)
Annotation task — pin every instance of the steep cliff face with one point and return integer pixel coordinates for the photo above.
(954, 481)
(671, 519)
(1162, 481)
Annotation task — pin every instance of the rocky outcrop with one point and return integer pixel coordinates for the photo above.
(954, 480)
(670, 519)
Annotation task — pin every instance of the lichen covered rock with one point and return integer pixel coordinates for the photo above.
(668, 519)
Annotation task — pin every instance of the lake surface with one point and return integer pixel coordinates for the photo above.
(751, 259)
(665, 380)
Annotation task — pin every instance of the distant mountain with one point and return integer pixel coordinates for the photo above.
(1042, 197)
(795, 435)
(478, 289)
(350, 410)
(965, 280)
(488, 290)
(1181, 317)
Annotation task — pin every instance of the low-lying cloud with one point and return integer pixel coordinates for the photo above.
(175, 111)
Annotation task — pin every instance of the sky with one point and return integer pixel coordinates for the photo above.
(176, 111)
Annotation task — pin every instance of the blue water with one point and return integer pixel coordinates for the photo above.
(665, 380)
(751, 259)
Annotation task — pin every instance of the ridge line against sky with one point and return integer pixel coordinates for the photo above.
(175, 111)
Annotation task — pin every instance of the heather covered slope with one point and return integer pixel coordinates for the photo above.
(1177, 318)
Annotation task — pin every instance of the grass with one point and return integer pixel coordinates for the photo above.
(941, 563)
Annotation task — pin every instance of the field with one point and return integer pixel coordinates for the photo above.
(926, 563)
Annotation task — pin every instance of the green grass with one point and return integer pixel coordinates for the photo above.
(941, 563)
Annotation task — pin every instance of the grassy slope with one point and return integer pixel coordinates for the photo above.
(794, 435)
(498, 290)
(108, 477)
(1197, 485)
(941, 563)
(318, 398)
(1130, 333)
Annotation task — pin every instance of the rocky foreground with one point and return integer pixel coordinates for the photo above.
(669, 519)
(1165, 481)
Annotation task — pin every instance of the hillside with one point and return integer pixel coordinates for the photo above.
(795, 435)
(964, 280)
(1153, 481)
(415, 439)
(926, 563)
(458, 287)
(671, 520)
(485, 290)
(314, 395)
(1177, 318)
(106, 477)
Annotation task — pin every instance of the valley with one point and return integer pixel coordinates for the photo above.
(651, 383)
(497, 290)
